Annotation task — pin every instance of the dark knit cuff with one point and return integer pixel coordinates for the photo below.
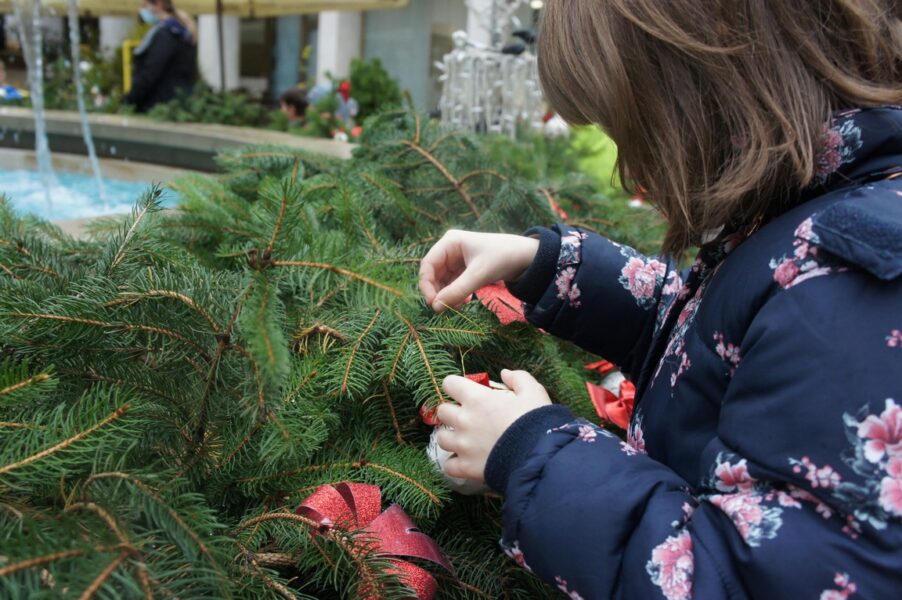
(516, 443)
(533, 283)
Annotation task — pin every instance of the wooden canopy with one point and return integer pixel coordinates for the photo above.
(241, 8)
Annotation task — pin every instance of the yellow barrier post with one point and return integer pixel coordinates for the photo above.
(128, 48)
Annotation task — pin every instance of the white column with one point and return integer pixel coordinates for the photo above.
(208, 50)
(479, 21)
(114, 31)
(337, 43)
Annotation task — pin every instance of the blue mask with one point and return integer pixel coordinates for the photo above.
(148, 16)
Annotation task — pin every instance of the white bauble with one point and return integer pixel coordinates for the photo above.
(438, 456)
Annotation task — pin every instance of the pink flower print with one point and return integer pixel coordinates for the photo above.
(830, 159)
(635, 438)
(688, 311)
(733, 477)
(674, 285)
(671, 566)
(566, 289)
(587, 434)
(845, 585)
(641, 277)
(894, 340)
(786, 272)
(729, 353)
(516, 554)
(805, 231)
(685, 363)
(744, 510)
(891, 488)
(819, 477)
(562, 585)
(883, 433)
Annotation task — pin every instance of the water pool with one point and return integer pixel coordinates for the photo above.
(75, 197)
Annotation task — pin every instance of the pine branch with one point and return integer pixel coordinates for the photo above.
(458, 187)
(102, 577)
(419, 342)
(131, 297)
(39, 561)
(355, 348)
(67, 442)
(25, 383)
(339, 271)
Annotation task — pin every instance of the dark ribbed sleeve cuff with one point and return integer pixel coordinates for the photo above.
(533, 283)
(515, 445)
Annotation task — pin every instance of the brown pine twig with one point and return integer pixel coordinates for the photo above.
(380, 467)
(419, 342)
(41, 378)
(38, 561)
(397, 359)
(355, 348)
(107, 518)
(128, 297)
(8, 271)
(282, 210)
(394, 416)
(120, 254)
(464, 194)
(67, 442)
(339, 271)
(102, 577)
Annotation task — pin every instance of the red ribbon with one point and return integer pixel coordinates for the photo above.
(428, 414)
(498, 299)
(356, 506)
(616, 409)
(602, 367)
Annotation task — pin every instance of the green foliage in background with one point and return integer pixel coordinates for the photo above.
(173, 387)
(373, 87)
(204, 105)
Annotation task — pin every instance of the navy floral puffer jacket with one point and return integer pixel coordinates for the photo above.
(764, 455)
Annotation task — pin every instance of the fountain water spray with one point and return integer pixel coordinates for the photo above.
(32, 49)
(75, 43)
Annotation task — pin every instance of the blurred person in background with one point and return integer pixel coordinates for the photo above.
(166, 60)
(293, 104)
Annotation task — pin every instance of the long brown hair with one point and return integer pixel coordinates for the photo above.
(718, 106)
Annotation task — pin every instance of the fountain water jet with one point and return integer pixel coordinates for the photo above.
(75, 42)
(32, 50)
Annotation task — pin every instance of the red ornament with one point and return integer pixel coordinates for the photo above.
(615, 409)
(498, 299)
(356, 506)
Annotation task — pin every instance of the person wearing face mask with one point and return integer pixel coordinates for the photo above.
(165, 62)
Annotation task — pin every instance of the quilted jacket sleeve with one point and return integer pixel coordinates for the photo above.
(804, 494)
(601, 295)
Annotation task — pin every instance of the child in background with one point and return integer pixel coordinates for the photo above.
(293, 104)
(764, 455)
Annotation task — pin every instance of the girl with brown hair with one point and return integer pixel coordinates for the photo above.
(764, 455)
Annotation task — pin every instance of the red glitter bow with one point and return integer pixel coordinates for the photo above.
(428, 414)
(356, 506)
(498, 299)
(610, 407)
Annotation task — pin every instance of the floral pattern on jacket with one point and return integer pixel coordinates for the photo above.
(764, 454)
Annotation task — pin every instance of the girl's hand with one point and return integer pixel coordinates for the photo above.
(464, 261)
(481, 417)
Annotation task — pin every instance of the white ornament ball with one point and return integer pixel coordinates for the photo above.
(438, 456)
(556, 127)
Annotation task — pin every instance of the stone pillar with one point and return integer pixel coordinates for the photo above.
(479, 21)
(208, 50)
(114, 31)
(287, 54)
(338, 43)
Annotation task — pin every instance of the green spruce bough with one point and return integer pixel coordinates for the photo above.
(172, 388)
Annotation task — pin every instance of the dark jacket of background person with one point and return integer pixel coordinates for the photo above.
(165, 63)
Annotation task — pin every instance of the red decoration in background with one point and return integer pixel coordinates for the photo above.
(603, 367)
(356, 506)
(498, 299)
(428, 414)
(616, 409)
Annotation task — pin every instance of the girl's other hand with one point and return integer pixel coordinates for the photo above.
(481, 416)
(464, 261)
